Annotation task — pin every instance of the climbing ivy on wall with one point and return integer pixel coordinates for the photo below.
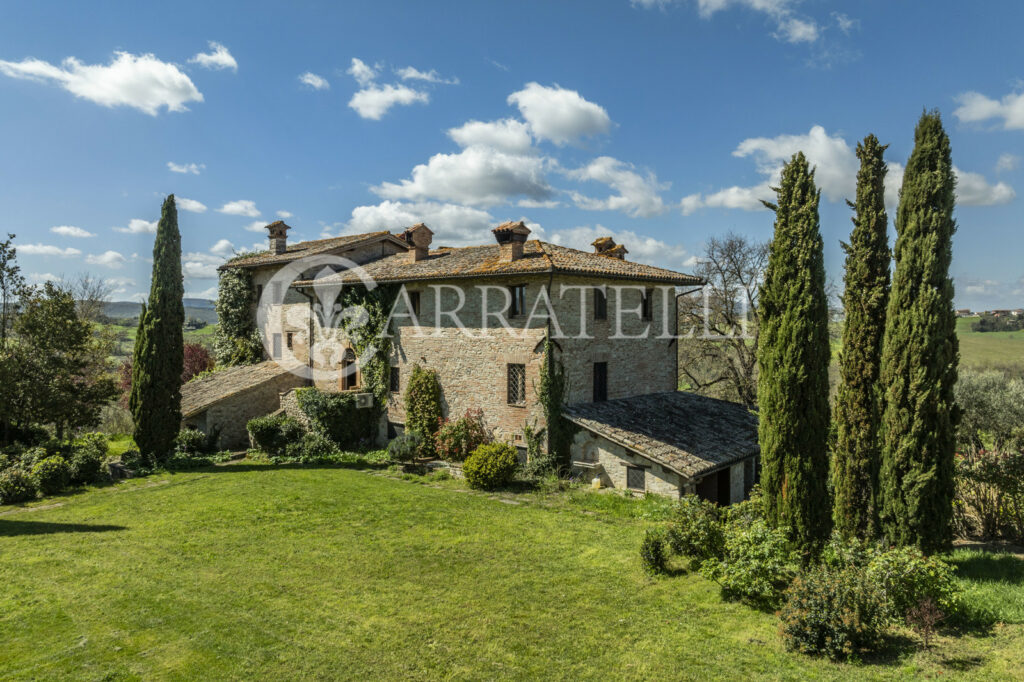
(236, 340)
(423, 407)
(551, 395)
(367, 332)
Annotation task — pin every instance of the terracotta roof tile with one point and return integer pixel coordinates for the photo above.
(307, 248)
(690, 434)
(199, 394)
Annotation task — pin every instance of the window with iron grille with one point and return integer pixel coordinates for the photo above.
(600, 304)
(395, 380)
(647, 304)
(289, 339)
(518, 305)
(600, 381)
(635, 478)
(516, 384)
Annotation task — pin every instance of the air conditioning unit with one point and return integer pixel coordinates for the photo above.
(364, 400)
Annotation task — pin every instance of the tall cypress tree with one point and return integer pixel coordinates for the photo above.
(858, 410)
(793, 359)
(920, 352)
(159, 354)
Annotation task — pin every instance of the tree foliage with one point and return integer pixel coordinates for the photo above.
(158, 359)
(793, 359)
(551, 396)
(920, 352)
(858, 410)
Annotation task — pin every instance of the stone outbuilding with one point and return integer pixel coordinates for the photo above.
(228, 399)
(672, 443)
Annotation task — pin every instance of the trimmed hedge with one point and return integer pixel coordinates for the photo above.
(272, 434)
(491, 466)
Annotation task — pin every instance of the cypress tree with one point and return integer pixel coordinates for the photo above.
(159, 355)
(920, 352)
(793, 358)
(858, 410)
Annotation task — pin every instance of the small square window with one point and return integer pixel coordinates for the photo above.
(395, 380)
(636, 478)
(516, 384)
(600, 304)
(518, 306)
(647, 305)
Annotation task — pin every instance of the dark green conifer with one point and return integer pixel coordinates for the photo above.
(858, 410)
(920, 352)
(793, 358)
(159, 355)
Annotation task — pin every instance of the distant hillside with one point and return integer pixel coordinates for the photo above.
(199, 308)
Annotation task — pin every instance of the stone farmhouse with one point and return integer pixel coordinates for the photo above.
(480, 316)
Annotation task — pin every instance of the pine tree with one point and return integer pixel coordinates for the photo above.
(858, 410)
(793, 360)
(920, 352)
(158, 358)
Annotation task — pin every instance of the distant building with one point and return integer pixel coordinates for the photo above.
(964, 312)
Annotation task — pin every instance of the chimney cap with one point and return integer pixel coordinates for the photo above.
(603, 244)
(417, 235)
(278, 228)
(511, 232)
(618, 251)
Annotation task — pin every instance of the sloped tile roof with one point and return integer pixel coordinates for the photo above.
(308, 248)
(199, 394)
(485, 261)
(690, 434)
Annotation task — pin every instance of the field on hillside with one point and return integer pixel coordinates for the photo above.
(981, 350)
(251, 571)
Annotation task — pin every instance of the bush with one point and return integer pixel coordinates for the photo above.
(652, 552)
(423, 406)
(833, 612)
(908, 578)
(336, 416)
(539, 464)
(491, 466)
(314, 448)
(273, 433)
(32, 455)
(455, 440)
(88, 453)
(51, 475)
(16, 486)
(405, 447)
(191, 441)
(696, 530)
(756, 564)
(183, 462)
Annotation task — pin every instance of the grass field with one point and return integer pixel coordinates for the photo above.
(979, 350)
(250, 571)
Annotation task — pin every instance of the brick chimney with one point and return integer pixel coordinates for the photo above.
(278, 236)
(511, 237)
(618, 251)
(418, 237)
(606, 246)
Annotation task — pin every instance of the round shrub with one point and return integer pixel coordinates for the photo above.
(756, 564)
(834, 613)
(88, 453)
(16, 486)
(696, 530)
(273, 433)
(135, 461)
(909, 577)
(404, 448)
(191, 441)
(32, 455)
(455, 440)
(652, 552)
(314, 447)
(491, 466)
(51, 475)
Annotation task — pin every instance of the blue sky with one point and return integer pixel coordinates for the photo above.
(658, 122)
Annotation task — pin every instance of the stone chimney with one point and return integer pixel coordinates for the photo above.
(278, 237)
(606, 246)
(511, 237)
(618, 251)
(418, 237)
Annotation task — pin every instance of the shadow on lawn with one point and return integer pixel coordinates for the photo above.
(11, 528)
(995, 567)
(270, 466)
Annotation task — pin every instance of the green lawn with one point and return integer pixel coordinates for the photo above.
(251, 571)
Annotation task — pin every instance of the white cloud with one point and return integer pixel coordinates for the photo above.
(222, 248)
(41, 277)
(478, 176)
(374, 101)
(138, 226)
(192, 168)
(845, 23)
(743, 198)
(362, 72)
(108, 259)
(209, 294)
(121, 285)
(46, 250)
(972, 189)
(976, 107)
(452, 225)
(217, 58)
(190, 205)
(243, 207)
(411, 73)
(284, 215)
(140, 81)
(641, 249)
(507, 135)
(200, 265)
(314, 81)
(794, 30)
(559, 115)
(256, 226)
(790, 27)
(637, 195)
(1007, 162)
(71, 231)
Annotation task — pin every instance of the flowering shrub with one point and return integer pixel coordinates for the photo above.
(455, 440)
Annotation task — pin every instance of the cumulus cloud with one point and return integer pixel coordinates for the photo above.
(790, 27)
(559, 115)
(217, 58)
(972, 189)
(139, 81)
(71, 231)
(107, 259)
(1007, 162)
(411, 73)
(200, 265)
(314, 81)
(976, 108)
(256, 226)
(477, 176)
(190, 205)
(641, 248)
(374, 100)
(507, 135)
(120, 285)
(222, 248)
(47, 250)
(362, 72)
(795, 30)
(138, 226)
(452, 225)
(242, 207)
(636, 195)
(284, 215)
(192, 168)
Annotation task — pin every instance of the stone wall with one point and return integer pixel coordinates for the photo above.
(232, 413)
(593, 455)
